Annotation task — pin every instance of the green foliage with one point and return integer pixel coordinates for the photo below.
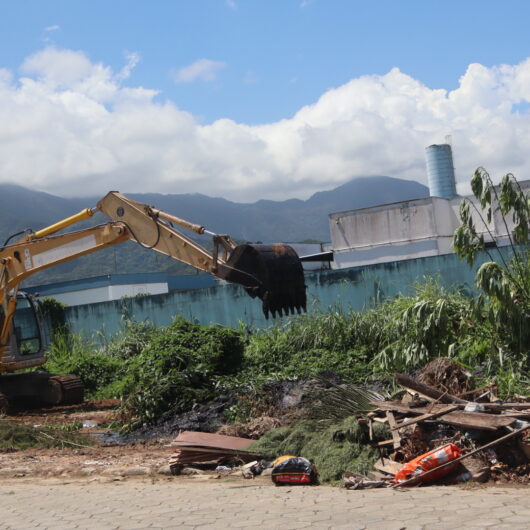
(428, 325)
(178, 368)
(504, 284)
(70, 354)
(512, 382)
(130, 341)
(307, 345)
(53, 311)
(341, 446)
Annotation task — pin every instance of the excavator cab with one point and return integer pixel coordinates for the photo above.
(26, 344)
(25, 348)
(28, 329)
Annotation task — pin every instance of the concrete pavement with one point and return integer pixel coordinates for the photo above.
(133, 504)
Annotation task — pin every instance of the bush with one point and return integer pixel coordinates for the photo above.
(178, 368)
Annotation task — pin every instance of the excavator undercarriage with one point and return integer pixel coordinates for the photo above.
(38, 389)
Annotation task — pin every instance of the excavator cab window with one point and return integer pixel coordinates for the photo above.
(27, 329)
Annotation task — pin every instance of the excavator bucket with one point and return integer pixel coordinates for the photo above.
(279, 274)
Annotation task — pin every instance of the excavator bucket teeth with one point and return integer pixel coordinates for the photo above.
(279, 274)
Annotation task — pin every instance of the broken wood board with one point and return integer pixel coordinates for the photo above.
(209, 449)
(427, 391)
(393, 428)
(477, 420)
(206, 439)
(383, 443)
(506, 406)
(428, 416)
(397, 406)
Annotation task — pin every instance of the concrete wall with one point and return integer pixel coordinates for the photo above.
(400, 231)
(227, 305)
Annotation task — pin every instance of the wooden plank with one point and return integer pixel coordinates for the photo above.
(383, 443)
(506, 406)
(426, 390)
(393, 428)
(212, 450)
(397, 406)
(477, 420)
(428, 416)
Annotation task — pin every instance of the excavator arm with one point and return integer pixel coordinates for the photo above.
(272, 273)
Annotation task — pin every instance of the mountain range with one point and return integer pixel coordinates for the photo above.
(292, 220)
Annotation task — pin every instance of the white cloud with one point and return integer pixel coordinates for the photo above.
(55, 27)
(132, 60)
(201, 70)
(69, 126)
(231, 4)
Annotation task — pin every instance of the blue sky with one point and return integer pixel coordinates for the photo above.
(256, 63)
(279, 54)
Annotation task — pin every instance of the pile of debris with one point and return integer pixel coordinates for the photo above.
(444, 438)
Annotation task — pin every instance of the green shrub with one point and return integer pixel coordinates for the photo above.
(178, 368)
(130, 340)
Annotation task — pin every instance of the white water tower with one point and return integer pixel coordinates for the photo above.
(441, 171)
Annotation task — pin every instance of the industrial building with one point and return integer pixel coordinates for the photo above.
(411, 229)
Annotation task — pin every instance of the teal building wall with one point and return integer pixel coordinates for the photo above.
(227, 305)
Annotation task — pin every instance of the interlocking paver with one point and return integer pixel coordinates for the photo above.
(185, 503)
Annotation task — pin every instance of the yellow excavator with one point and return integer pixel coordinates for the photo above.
(272, 273)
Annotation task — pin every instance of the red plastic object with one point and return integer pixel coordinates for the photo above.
(428, 461)
(290, 478)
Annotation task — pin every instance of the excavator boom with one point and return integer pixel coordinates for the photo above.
(272, 273)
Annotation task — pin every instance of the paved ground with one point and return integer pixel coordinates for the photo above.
(191, 503)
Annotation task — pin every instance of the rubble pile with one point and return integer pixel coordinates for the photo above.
(443, 431)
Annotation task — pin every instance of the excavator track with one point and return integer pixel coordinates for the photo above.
(70, 388)
(39, 389)
(4, 404)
